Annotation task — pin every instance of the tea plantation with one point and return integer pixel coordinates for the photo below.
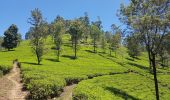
(98, 76)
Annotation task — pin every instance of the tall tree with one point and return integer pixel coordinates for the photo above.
(87, 26)
(11, 37)
(103, 42)
(116, 42)
(38, 33)
(57, 29)
(149, 18)
(133, 45)
(75, 31)
(116, 39)
(95, 35)
(109, 37)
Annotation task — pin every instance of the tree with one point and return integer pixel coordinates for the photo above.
(95, 35)
(19, 38)
(103, 42)
(116, 41)
(38, 33)
(57, 29)
(1, 41)
(109, 38)
(133, 45)
(164, 51)
(86, 21)
(28, 34)
(150, 19)
(11, 37)
(75, 31)
(98, 23)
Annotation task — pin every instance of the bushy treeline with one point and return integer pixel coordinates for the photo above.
(80, 29)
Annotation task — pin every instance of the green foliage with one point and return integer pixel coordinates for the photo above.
(57, 29)
(133, 45)
(103, 42)
(4, 69)
(11, 38)
(38, 33)
(95, 35)
(47, 80)
(76, 30)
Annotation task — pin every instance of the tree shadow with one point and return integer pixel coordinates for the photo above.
(130, 59)
(68, 45)
(30, 63)
(70, 57)
(121, 93)
(139, 66)
(7, 50)
(89, 51)
(53, 60)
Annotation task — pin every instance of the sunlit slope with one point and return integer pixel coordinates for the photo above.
(49, 78)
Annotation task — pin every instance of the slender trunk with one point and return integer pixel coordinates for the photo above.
(94, 46)
(110, 50)
(75, 49)
(155, 77)
(38, 58)
(86, 39)
(58, 55)
(150, 63)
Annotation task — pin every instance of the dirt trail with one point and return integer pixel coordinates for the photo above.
(67, 93)
(13, 91)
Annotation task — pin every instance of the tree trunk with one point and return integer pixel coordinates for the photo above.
(155, 76)
(38, 58)
(150, 63)
(94, 46)
(75, 49)
(58, 55)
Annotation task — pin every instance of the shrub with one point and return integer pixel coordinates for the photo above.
(5, 69)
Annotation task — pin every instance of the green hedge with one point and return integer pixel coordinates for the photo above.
(5, 69)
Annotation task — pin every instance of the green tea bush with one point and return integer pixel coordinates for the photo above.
(45, 88)
(5, 69)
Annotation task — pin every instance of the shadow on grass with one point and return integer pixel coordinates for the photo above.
(30, 63)
(130, 59)
(67, 56)
(7, 50)
(53, 60)
(121, 93)
(68, 45)
(139, 66)
(89, 51)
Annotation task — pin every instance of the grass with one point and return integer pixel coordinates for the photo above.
(119, 87)
(48, 79)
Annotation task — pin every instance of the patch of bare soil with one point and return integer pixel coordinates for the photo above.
(67, 93)
(11, 86)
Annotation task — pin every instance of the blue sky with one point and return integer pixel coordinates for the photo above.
(18, 11)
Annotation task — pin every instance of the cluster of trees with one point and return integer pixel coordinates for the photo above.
(11, 38)
(148, 20)
(80, 30)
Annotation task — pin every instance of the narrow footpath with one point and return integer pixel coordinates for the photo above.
(11, 86)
